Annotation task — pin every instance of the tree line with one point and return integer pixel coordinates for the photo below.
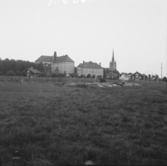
(16, 67)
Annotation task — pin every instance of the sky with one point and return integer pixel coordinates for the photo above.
(87, 30)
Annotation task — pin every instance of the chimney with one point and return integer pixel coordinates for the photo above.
(99, 64)
(55, 56)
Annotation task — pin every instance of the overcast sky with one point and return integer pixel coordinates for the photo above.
(87, 30)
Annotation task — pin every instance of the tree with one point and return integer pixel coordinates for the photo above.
(164, 79)
(81, 76)
(104, 73)
(11, 73)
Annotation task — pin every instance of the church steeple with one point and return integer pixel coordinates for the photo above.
(113, 56)
(113, 64)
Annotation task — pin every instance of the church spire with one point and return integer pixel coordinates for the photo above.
(113, 56)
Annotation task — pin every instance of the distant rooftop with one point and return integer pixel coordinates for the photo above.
(44, 58)
(89, 64)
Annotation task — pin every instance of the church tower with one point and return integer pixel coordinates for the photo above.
(113, 64)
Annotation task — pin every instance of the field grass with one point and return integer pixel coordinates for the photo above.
(54, 125)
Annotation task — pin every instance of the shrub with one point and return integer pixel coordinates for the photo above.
(164, 79)
(81, 76)
(88, 76)
(58, 75)
(47, 74)
(73, 75)
(99, 76)
(11, 73)
(102, 80)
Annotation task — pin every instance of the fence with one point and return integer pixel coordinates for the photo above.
(45, 79)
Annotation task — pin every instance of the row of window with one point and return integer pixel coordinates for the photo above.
(92, 70)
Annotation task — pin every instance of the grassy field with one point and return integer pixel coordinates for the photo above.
(53, 125)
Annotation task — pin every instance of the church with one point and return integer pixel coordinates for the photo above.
(112, 72)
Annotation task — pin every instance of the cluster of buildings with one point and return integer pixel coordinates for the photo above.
(64, 64)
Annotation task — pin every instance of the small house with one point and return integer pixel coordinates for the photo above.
(124, 77)
(30, 72)
(137, 76)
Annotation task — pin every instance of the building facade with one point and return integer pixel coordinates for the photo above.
(61, 64)
(137, 76)
(91, 68)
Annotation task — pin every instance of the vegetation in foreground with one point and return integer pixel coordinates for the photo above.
(52, 125)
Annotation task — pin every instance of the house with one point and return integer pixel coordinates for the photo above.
(145, 77)
(62, 64)
(112, 72)
(30, 72)
(155, 78)
(91, 68)
(137, 76)
(125, 77)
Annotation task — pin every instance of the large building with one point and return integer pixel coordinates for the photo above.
(91, 68)
(61, 64)
(112, 71)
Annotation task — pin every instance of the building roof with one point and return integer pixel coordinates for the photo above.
(64, 58)
(89, 65)
(137, 73)
(33, 70)
(44, 58)
(124, 74)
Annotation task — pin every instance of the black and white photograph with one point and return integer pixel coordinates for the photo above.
(83, 82)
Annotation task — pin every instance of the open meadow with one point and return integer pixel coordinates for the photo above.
(56, 125)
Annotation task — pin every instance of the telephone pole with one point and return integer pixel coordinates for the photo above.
(161, 71)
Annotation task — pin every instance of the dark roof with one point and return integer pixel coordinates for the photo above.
(64, 58)
(44, 58)
(136, 73)
(32, 70)
(90, 65)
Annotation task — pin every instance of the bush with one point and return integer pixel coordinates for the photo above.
(47, 74)
(102, 80)
(88, 76)
(11, 73)
(99, 77)
(58, 75)
(164, 79)
(81, 76)
(73, 75)
(93, 76)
